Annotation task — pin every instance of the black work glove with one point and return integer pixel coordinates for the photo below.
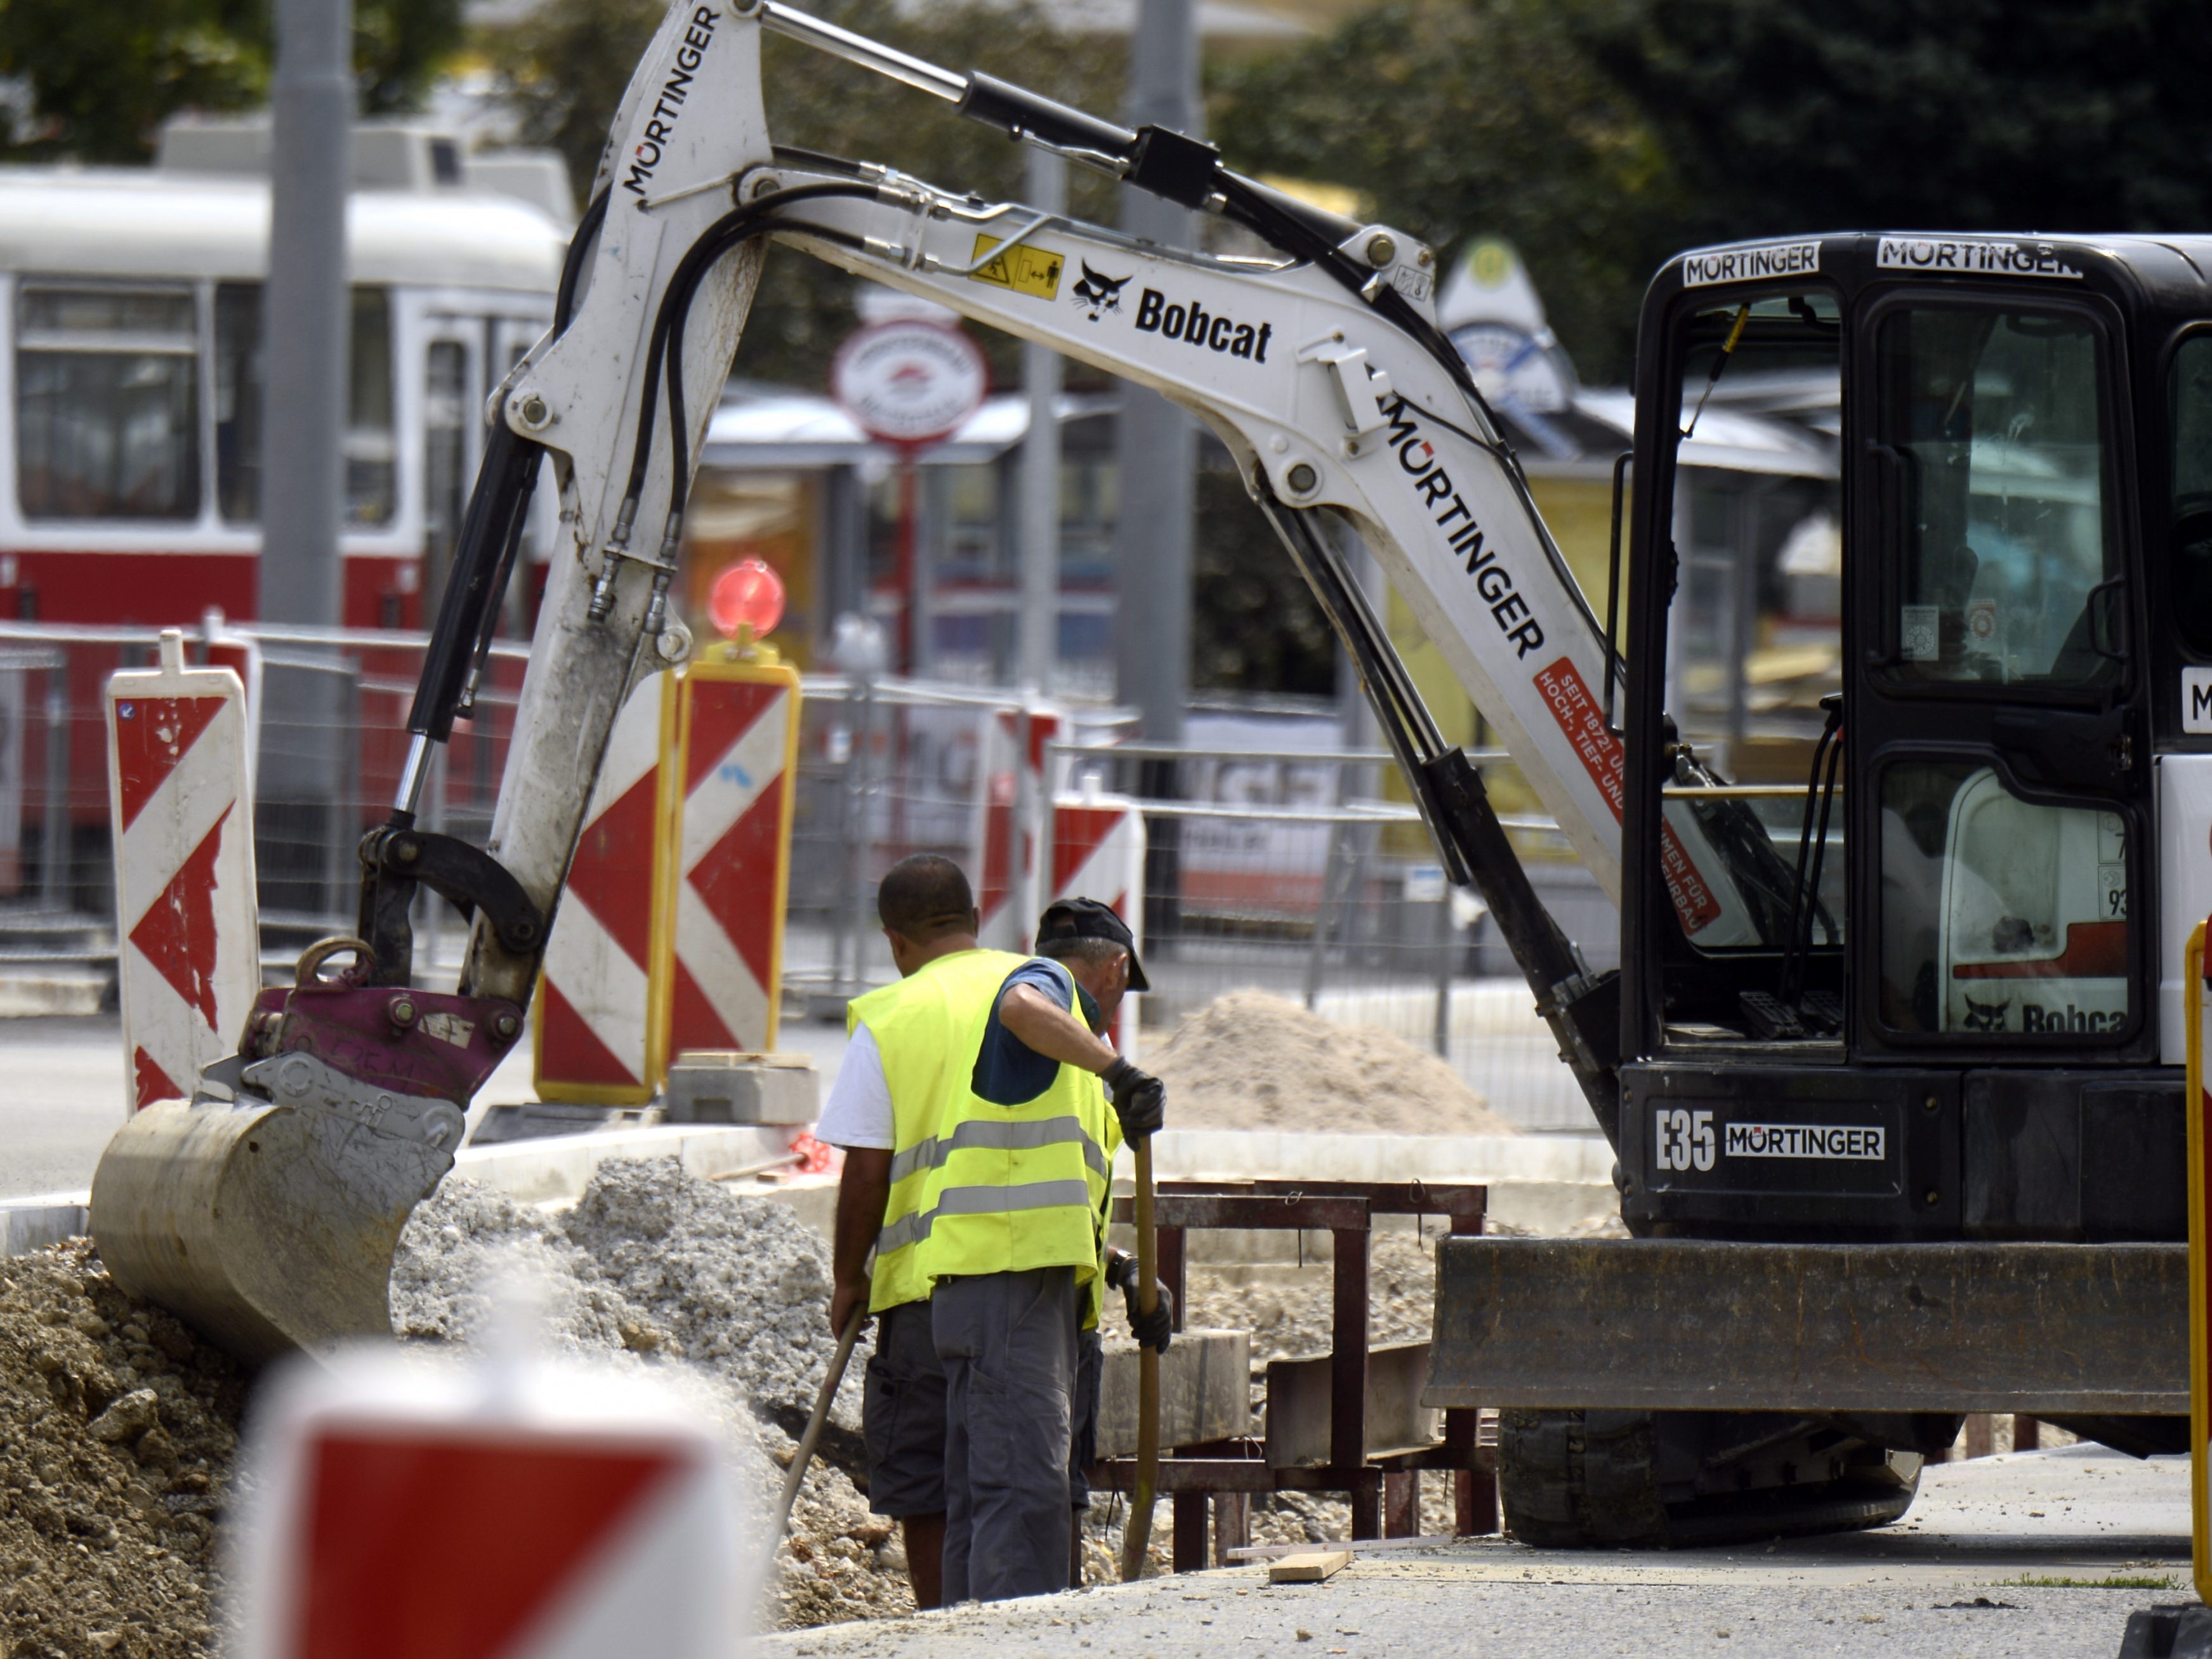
(1153, 1330)
(1140, 1100)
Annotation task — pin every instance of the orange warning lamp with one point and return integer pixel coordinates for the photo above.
(749, 595)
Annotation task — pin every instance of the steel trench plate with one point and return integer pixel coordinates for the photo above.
(1680, 1325)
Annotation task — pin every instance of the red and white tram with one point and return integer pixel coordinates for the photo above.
(130, 375)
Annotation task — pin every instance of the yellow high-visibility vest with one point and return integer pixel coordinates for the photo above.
(919, 1025)
(1018, 1187)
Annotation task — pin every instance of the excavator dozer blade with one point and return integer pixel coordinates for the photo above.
(265, 1227)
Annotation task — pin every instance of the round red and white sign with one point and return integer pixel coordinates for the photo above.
(908, 381)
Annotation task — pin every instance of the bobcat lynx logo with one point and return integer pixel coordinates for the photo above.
(1985, 1016)
(1095, 294)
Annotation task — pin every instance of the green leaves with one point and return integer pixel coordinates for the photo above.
(103, 78)
(1460, 118)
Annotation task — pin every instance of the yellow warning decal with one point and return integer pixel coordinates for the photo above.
(1023, 268)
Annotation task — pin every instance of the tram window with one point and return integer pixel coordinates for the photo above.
(238, 400)
(445, 408)
(370, 446)
(106, 402)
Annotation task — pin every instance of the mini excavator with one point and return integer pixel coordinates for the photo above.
(1894, 1045)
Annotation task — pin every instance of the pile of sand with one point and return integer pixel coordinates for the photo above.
(1248, 1060)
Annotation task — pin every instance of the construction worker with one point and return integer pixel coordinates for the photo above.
(883, 1111)
(1016, 1208)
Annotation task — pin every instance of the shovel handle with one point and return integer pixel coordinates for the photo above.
(1137, 1535)
(805, 1455)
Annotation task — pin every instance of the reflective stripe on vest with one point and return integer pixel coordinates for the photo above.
(1007, 1137)
(919, 1024)
(1015, 1188)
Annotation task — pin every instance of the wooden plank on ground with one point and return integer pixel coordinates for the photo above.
(1309, 1567)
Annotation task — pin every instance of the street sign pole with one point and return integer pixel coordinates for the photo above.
(910, 384)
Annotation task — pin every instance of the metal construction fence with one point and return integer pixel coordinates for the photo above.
(1291, 871)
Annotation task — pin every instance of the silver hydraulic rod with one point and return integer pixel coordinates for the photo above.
(796, 25)
(412, 774)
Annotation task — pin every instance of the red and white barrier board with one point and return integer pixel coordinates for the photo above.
(596, 1037)
(737, 744)
(1098, 853)
(188, 925)
(1004, 855)
(443, 1511)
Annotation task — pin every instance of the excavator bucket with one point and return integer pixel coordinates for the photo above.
(266, 1227)
(268, 1220)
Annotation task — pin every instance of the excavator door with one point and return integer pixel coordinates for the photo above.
(1886, 594)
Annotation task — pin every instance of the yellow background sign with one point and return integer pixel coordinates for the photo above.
(1022, 268)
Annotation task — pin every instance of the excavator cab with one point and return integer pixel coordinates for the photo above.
(1951, 840)
(1916, 790)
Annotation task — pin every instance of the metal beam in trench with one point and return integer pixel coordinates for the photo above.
(1679, 1325)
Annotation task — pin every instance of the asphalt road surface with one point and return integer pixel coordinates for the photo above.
(2011, 1555)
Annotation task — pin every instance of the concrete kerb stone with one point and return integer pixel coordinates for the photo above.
(551, 1171)
(557, 1170)
(32, 1224)
(1538, 1183)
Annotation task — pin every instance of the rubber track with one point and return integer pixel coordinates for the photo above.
(1587, 1481)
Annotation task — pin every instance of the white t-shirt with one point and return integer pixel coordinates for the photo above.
(858, 1110)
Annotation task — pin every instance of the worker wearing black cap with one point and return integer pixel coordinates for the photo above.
(1015, 1246)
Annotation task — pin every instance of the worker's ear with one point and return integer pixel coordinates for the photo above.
(975, 922)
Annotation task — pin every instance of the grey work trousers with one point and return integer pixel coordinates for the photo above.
(1008, 1343)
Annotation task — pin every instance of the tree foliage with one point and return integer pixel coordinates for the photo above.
(1255, 626)
(101, 80)
(399, 47)
(97, 82)
(1602, 136)
(1458, 118)
(1795, 115)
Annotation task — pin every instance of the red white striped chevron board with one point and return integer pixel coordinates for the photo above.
(596, 1039)
(1005, 855)
(594, 1513)
(188, 925)
(737, 744)
(1098, 852)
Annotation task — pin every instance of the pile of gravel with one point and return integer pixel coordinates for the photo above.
(117, 1433)
(119, 1429)
(660, 1268)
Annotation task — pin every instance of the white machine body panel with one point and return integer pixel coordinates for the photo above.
(2185, 885)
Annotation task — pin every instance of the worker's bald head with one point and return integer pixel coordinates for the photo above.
(927, 910)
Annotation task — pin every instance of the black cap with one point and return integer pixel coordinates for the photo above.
(1084, 918)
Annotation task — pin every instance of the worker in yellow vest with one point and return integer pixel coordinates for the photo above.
(1016, 1208)
(898, 1071)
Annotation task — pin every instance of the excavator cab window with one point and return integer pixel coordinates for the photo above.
(1993, 425)
(2189, 392)
(1753, 665)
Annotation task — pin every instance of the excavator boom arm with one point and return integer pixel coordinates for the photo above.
(1323, 371)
